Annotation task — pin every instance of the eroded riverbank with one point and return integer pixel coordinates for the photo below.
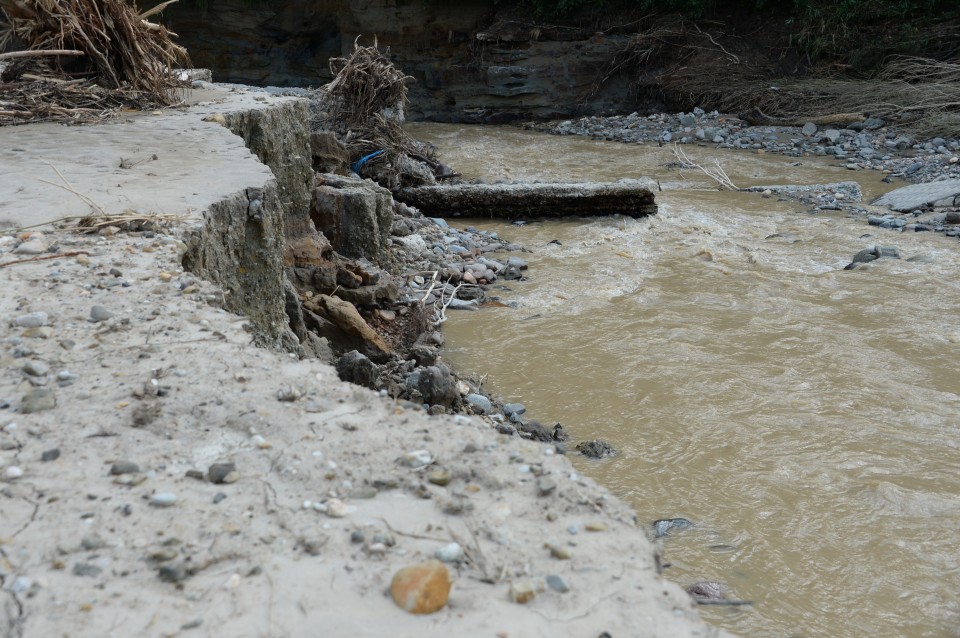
(160, 474)
(801, 415)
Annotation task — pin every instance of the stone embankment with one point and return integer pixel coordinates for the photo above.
(174, 462)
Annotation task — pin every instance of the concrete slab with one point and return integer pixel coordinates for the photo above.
(916, 195)
(169, 163)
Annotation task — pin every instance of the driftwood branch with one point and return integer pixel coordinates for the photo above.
(28, 54)
(716, 174)
(157, 9)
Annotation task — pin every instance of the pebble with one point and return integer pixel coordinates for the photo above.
(38, 400)
(92, 542)
(12, 473)
(31, 320)
(218, 497)
(33, 246)
(36, 368)
(223, 473)
(417, 458)
(86, 569)
(50, 455)
(523, 591)
(558, 583)
(337, 509)
(65, 378)
(42, 332)
(452, 553)
(479, 402)
(99, 313)
(173, 573)
(20, 585)
(439, 477)
(511, 409)
(288, 394)
(130, 480)
(124, 467)
(357, 536)
(546, 486)
(595, 527)
(163, 499)
(422, 588)
(557, 552)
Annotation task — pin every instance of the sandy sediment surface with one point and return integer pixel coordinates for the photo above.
(126, 388)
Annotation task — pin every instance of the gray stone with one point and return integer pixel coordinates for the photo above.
(851, 190)
(873, 123)
(809, 129)
(36, 368)
(163, 499)
(435, 385)
(31, 320)
(124, 467)
(557, 583)
(831, 135)
(479, 403)
(222, 473)
(918, 195)
(596, 449)
(546, 486)
(514, 408)
(687, 119)
(92, 542)
(172, 573)
(50, 455)
(38, 400)
(452, 553)
(99, 313)
(86, 569)
(913, 168)
(33, 246)
(355, 215)
(354, 367)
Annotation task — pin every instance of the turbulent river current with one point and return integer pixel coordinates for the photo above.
(806, 418)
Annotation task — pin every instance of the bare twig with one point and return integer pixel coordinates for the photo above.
(440, 306)
(72, 253)
(716, 174)
(433, 283)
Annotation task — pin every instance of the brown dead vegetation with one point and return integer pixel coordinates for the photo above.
(82, 60)
(364, 106)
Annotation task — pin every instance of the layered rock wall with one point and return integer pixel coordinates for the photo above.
(466, 64)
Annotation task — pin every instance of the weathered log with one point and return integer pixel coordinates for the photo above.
(632, 197)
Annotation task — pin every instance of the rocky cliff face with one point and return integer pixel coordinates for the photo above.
(466, 63)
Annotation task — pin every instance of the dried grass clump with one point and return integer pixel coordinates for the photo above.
(84, 58)
(364, 106)
(920, 94)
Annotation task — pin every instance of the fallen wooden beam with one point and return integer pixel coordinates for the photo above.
(632, 197)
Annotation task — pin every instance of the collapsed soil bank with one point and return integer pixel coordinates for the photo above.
(127, 379)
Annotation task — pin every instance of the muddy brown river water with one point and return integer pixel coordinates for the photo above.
(805, 417)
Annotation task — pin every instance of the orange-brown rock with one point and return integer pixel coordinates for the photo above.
(422, 588)
(345, 316)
